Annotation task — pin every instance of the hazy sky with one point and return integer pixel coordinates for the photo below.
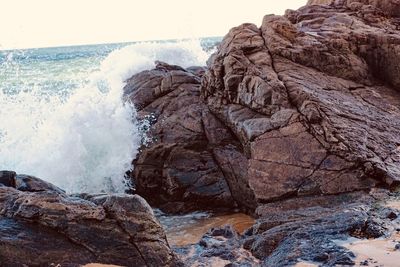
(41, 23)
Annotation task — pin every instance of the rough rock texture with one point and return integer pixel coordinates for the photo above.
(39, 227)
(307, 104)
(287, 234)
(311, 229)
(313, 97)
(177, 170)
(297, 121)
(389, 7)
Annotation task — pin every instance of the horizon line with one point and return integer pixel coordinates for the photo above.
(107, 43)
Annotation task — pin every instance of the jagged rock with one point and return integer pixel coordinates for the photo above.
(176, 170)
(40, 226)
(311, 229)
(313, 98)
(287, 233)
(390, 7)
(298, 119)
(307, 104)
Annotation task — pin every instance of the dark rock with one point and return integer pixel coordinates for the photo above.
(218, 246)
(283, 236)
(392, 215)
(46, 226)
(7, 178)
(33, 184)
(177, 170)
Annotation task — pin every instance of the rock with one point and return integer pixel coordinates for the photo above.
(218, 246)
(307, 104)
(287, 233)
(40, 226)
(176, 170)
(390, 7)
(7, 178)
(296, 121)
(33, 184)
(28, 183)
(313, 98)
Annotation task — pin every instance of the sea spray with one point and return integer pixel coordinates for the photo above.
(75, 131)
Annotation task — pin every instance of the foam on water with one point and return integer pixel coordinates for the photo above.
(83, 141)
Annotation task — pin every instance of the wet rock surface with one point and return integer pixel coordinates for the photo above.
(296, 122)
(40, 225)
(312, 80)
(220, 246)
(285, 234)
(177, 170)
(307, 104)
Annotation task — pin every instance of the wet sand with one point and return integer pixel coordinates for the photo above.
(305, 264)
(378, 252)
(100, 265)
(191, 233)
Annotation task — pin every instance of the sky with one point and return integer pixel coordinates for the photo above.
(45, 23)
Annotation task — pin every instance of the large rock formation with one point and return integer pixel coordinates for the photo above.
(313, 97)
(307, 104)
(296, 119)
(177, 169)
(40, 225)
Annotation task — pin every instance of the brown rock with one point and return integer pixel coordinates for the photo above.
(307, 104)
(176, 170)
(43, 227)
(390, 7)
(329, 123)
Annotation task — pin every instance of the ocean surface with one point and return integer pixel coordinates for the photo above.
(61, 113)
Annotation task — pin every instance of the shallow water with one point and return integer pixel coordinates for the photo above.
(188, 229)
(378, 252)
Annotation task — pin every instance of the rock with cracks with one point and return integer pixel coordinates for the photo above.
(313, 98)
(43, 227)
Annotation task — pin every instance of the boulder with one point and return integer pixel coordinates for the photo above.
(176, 169)
(40, 225)
(313, 97)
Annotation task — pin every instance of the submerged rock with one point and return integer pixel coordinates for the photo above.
(41, 225)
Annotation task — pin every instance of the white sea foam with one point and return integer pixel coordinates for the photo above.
(85, 141)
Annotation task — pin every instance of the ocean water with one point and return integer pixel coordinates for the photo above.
(61, 113)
